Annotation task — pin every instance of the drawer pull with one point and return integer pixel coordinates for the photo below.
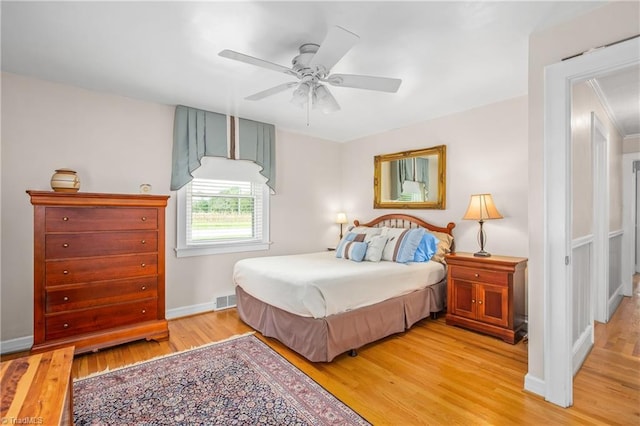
(143, 264)
(144, 287)
(65, 218)
(476, 275)
(66, 299)
(144, 241)
(65, 245)
(473, 300)
(144, 218)
(65, 325)
(65, 272)
(479, 302)
(144, 311)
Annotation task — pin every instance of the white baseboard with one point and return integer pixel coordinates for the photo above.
(582, 347)
(24, 343)
(16, 345)
(185, 311)
(534, 384)
(615, 300)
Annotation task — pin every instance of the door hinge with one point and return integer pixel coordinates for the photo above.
(566, 260)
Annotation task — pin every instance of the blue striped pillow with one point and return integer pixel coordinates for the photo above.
(353, 250)
(350, 236)
(402, 244)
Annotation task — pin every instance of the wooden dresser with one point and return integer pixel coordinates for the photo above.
(98, 269)
(486, 294)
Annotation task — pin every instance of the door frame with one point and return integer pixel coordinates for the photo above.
(628, 221)
(600, 223)
(557, 274)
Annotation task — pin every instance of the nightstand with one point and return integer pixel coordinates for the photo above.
(486, 294)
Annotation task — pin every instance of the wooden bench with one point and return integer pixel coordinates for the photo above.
(38, 389)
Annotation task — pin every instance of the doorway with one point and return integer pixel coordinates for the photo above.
(558, 276)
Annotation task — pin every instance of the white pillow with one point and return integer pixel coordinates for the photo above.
(375, 248)
(368, 231)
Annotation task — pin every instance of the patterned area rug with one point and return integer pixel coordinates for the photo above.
(239, 381)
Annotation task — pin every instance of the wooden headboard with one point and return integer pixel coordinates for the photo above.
(398, 220)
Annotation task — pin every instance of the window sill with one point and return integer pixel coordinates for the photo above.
(219, 249)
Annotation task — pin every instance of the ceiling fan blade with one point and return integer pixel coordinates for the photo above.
(277, 89)
(382, 84)
(236, 56)
(334, 46)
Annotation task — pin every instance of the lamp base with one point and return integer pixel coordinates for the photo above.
(482, 253)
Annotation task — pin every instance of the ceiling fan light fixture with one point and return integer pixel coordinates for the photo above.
(301, 95)
(324, 100)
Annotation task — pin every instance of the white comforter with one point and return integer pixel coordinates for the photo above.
(318, 284)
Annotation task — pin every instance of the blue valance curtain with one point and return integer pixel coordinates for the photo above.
(198, 133)
(258, 144)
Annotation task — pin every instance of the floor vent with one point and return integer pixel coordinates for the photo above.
(224, 302)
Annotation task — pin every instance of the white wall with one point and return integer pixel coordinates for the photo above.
(486, 152)
(584, 101)
(631, 144)
(609, 23)
(115, 144)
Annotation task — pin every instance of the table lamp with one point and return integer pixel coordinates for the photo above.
(341, 218)
(481, 208)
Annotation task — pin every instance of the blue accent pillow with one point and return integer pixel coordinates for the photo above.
(402, 244)
(353, 250)
(427, 248)
(350, 236)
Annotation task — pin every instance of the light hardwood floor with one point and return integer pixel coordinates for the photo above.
(437, 374)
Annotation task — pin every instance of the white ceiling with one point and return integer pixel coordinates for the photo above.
(451, 56)
(621, 92)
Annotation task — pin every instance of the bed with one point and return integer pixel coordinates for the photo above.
(322, 306)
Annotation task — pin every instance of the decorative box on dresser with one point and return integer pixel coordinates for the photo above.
(99, 264)
(486, 294)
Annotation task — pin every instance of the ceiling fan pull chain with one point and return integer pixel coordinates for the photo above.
(308, 107)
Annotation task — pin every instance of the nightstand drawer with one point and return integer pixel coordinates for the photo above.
(479, 275)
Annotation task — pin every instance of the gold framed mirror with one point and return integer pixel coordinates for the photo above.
(410, 179)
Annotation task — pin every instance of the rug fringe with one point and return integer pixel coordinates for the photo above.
(109, 370)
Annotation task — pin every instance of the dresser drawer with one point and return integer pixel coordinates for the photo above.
(479, 275)
(61, 246)
(101, 318)
(81, 270)
(78, 219)
(78, 296)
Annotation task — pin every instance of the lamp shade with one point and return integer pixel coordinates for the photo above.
(481, 207)
(301, 95)
(341, 218)
(324, 100)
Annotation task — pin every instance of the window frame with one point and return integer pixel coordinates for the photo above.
(183, 249)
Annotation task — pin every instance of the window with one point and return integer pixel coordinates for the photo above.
(222, 216)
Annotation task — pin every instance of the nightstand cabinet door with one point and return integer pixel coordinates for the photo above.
(492, 303)
(464, 299)
(486, 294)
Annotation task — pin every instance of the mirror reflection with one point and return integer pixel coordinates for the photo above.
(410, 179)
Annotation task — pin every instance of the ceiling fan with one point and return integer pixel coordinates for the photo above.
(312, 67)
